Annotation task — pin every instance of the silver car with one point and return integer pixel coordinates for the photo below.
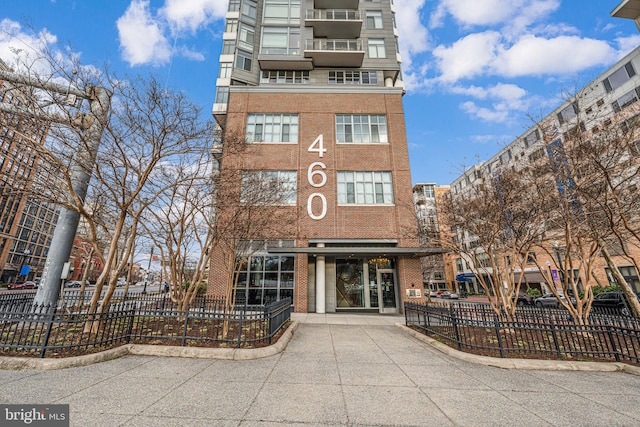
(549, 300)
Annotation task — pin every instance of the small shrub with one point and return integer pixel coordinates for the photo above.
(533, 292)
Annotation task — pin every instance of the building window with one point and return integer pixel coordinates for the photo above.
(222, 95)
(243, 60)
(234, 5)
(377, 48)
(281, 12)
(228, 47)
(274, 188)
(225, 70)
(280, 41)
(353, 78)
(568, 113)
(365, 188)
(232, 26)
(285, 77)
(532, 138)
(266, 278)
(249, 11)
(272, 128)
(246, 36)
(428, 191)
(619, 77)
(361, 129)
(374, 19)
(626, 100)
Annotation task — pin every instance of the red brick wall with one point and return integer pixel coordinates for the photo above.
(317, 116)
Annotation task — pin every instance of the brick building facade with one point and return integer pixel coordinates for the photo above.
(325, 116)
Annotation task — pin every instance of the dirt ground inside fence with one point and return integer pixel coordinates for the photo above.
(67, 343)
(535, 345)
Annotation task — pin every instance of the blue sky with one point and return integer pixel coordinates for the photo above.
(475, 70)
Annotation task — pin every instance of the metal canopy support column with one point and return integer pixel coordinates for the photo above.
(320, 282)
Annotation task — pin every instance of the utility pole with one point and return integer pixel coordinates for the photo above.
(80, 171)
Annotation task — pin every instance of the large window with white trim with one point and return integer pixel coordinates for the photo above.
(272, 128)
(376, 48)
(280, 41)
(267, 187)
(365, 188)
(361, 128)
(281, 12)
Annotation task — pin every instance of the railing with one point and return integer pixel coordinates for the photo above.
(529, 333)
(336, 45)
(66, 329)
(333, 14)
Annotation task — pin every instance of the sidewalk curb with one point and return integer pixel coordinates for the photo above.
(30, 363)
(524, 364)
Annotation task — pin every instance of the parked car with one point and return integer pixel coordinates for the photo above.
(549, 300)
(22, 285)
(524, 299)
(449, 295)
(616, 301)
(73, 284)
(433, 294)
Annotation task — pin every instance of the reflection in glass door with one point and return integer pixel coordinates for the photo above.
(386, 279)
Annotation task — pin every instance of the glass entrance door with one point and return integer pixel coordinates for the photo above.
(387, 281)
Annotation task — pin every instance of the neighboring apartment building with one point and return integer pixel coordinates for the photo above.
(315, 88)
(606, 98)
(436, 275)
(26, 224)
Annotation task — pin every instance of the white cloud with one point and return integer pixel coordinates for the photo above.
(19, 46)
(467, 57)
(511, 13)
(193, 14)
(536, 56)
(507, 92)
(627, 44)
(141, 36)
(498, 115)
(413, 34)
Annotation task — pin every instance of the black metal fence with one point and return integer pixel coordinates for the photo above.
(68, 329)
(531, 333)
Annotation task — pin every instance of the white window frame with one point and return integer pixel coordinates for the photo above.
(365, 188)
(272, 128)
(374, 19)
(271, 181)
(376, 48)
(244, 60)
(361, 129)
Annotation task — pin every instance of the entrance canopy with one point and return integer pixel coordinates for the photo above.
(359, 251)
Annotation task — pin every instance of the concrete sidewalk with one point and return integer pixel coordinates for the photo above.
(337, 370)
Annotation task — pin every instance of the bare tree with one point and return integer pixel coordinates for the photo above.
(497, 227)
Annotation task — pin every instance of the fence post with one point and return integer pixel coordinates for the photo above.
(496, 323)
(242, 314)
(612, 341)
(555, 337)
(132, 315)
(47, 335)
(454, 323)
(186, 324)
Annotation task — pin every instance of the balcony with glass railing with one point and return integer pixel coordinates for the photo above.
(337, 23)
(335, 52)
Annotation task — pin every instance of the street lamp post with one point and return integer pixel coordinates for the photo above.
(146, 277)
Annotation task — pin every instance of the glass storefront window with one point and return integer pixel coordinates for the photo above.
(270, 278)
